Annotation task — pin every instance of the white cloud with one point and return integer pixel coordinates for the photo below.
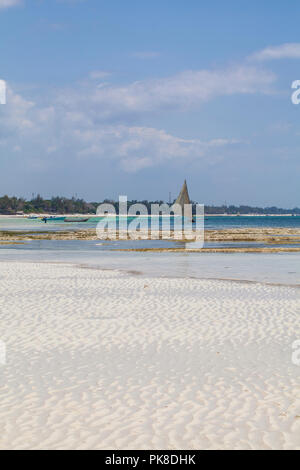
(179, 92)
(16, 113)
(140, 147)
(9, 3)
(42, 134)
(86, 122)
(284, 51)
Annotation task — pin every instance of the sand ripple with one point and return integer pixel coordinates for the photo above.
(104, 360)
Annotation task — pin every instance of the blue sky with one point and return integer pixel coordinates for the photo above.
(131, 97)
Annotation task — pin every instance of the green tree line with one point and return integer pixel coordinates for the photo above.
(63, 205)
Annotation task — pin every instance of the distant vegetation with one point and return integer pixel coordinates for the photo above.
(235, 210)
(38, 205)
(63, 205)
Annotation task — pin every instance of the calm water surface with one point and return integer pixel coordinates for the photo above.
(283, 268)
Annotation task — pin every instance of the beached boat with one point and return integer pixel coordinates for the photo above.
(76, 219)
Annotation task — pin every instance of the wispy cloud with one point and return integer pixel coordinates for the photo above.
(180, 92)
(283, 51)
(86, 121)
(99, 75)
(9, 3)
(141, 147)
(46, 135)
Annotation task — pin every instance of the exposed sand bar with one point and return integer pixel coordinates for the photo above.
(216, 250)
(269, 235)
(105, 360)
(276, 239)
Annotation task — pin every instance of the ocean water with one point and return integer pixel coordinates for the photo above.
(212, 222)
(281, 268)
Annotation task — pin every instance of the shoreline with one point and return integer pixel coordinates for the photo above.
(144, 275)
(41, 215)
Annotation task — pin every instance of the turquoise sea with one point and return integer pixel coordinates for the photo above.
(211, 222)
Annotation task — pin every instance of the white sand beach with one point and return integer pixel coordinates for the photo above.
(100, 359)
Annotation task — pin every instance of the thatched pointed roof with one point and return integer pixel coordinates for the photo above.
(183, 197)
